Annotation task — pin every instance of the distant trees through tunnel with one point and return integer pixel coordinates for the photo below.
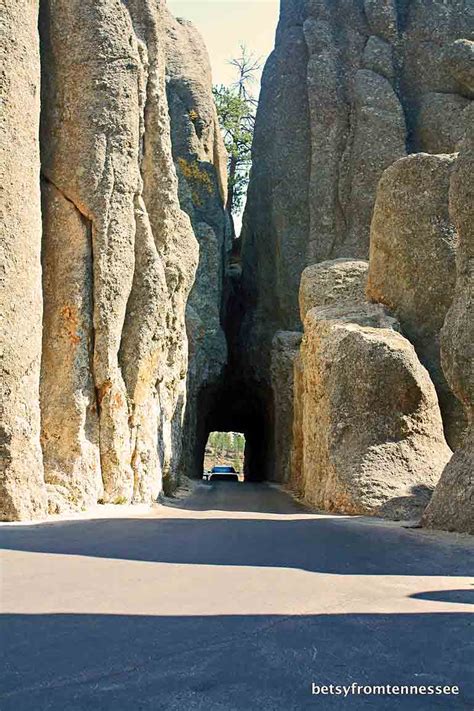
(225, 448)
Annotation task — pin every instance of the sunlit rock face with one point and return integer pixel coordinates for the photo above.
(413, 263)
(368, 435)
(118, 259)
(22, 488)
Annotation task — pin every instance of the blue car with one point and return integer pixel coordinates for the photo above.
(222, 471)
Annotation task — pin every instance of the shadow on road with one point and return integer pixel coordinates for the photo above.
(220, 663)
(465, 597)
(326, 545)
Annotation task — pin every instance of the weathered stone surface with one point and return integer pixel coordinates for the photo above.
(363, 78)
(108, 152)
(350, 88)
(200, 157)
(412, 262)
(372, 444)
(22, 489)
(195, 126)
(284, 351)
(378, 57)
(452, 506)
(383, 18)
(277, 203)
(296, 475)
(442, 122)
(340, 281)
(429, 31)
(377, 140)
(69, 417)
(368, 437)
(459, 58)
(125, 406)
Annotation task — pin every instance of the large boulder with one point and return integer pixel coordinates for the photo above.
(22, 488)
(371, 430)
(452, 506)
(413, 263)
(340, 282)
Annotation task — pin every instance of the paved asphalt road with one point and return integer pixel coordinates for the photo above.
(234, 598)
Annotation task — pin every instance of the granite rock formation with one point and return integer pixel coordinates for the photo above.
(22, 488)
(134, 325)
(118, 259)
(201, 163)
(371, 438)
(350, 88)
(285, 349)
(413, 263)
(452, 506)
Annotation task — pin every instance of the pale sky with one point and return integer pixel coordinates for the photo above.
(225, 23)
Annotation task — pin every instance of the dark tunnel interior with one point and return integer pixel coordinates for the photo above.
(239, 406)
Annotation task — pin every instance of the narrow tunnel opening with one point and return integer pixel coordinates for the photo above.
(224, 455)
(238, 406)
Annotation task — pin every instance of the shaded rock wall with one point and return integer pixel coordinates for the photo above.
(22, 488)
(351, 87)
(285, 349)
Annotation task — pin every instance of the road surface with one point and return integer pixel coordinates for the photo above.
(234, 598)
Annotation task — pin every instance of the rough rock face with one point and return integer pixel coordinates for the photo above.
(114, 318)
(70, 444)
(201, 159)
(452, 505)
(284, 351)
(413, 263)
(133, 203)
(371, 438)
(350, 88)
(22, 489)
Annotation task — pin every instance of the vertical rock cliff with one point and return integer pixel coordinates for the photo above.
(22, 489)
(344, 95)
(351, 88)
(118, 259)
(114, 324)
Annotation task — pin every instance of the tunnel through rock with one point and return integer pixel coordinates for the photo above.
(236, 406)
